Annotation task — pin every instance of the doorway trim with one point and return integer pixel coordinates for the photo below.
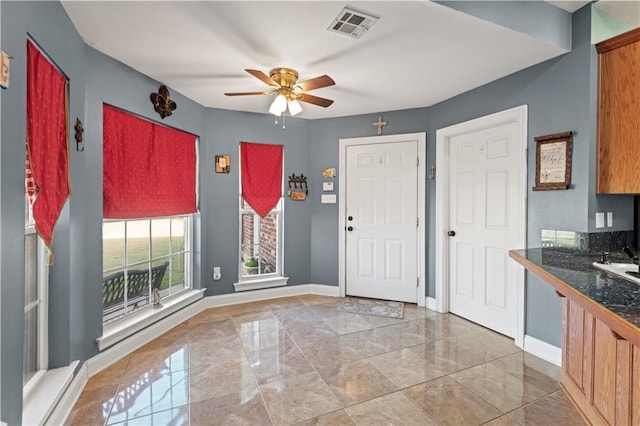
(514, 115)
(421, 138)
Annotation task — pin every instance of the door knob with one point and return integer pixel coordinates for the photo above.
(451, 233)
(349, 228)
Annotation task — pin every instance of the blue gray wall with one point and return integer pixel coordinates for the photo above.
(560, 94)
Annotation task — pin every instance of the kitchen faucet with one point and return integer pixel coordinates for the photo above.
(635, 261)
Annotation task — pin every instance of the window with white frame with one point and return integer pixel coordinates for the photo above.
(141, 255)
(260, 243)
(35, 351)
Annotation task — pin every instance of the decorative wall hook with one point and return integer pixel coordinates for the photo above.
(297, 189)
(78, 136)
(162, 102)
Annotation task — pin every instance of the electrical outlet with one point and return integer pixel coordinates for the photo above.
(610, 219)
(600, 220)
(216, 273)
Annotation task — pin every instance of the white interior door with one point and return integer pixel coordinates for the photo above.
(381, 221)
(485, 214)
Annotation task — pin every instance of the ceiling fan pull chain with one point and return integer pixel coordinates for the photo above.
(283, 121)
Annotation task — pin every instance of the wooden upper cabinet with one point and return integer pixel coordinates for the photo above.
(618, 160)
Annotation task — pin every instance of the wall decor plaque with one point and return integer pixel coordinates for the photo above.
(553, 161)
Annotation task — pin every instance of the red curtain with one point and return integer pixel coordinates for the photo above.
(261, 171)
(47, 141)
(149, 170)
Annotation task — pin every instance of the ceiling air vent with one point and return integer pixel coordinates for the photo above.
(353, 22)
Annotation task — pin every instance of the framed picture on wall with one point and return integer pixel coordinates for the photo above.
(553, 161)
(223, 163)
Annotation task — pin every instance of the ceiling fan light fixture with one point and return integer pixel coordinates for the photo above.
(295, 107)
(279, 105)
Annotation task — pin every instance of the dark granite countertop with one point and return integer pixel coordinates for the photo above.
(620, 296)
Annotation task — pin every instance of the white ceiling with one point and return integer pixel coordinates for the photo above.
(418, 53)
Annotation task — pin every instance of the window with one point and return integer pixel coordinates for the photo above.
(260, 243)
(140, 255)
(260, 263)
(36, 301)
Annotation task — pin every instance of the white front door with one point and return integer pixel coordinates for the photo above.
(485, 223)
(381, 216)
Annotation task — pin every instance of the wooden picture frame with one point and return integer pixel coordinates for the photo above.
(223, 163)
(553, 161)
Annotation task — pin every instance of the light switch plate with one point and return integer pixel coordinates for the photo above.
(327, 186)
(328, 198)
(610, 219)
(600, 220)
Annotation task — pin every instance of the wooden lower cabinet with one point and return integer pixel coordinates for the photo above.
(600, 370)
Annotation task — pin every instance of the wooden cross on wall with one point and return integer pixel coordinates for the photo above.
(379, 124)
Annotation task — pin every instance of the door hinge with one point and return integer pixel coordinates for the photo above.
(417, 161)
(417, 221)
(418, 282)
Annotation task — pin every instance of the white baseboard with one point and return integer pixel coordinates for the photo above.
(543, 350)
(431, 303)
(271, 293)
(68, 400)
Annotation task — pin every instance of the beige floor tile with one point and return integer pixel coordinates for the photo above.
(446, 355)
(409, 333)
(174, 417)
(149, 394)
(297, 360)
(552, 409)
(209, 315)
(215, 352)
(256, 321)
(356, 382)
(278, 363)
(234, 409)
(337, 418)
(392, 409)
(498, 387)
(93, 406)
(531, 370)
(156, 362)
(299, 398)
(451, 404)
(109, 376)
(231, 378)
(272, 337)
(405, 368)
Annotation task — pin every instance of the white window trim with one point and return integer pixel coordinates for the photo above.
(42, 271)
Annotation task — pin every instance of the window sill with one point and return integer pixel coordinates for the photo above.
(43, 396)
(261, 283)
(121, 329)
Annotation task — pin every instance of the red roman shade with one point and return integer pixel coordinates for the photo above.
(261, 170)
(149, 170)
(47, 143)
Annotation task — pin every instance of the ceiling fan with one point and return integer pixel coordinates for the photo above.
(284, 82)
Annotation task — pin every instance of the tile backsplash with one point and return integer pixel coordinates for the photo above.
(590, 242)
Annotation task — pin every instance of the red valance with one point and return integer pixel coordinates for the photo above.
(47, 141)
(261, 170)
(149, 170)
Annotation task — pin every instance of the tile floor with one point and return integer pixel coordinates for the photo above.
(297, 360)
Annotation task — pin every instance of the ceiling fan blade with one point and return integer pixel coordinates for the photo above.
(262, 77)
(316, 83)
(316, 100)
(247, 93)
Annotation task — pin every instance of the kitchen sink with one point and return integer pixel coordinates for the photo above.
(619, 269)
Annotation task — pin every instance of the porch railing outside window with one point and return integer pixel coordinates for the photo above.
(134, 248)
